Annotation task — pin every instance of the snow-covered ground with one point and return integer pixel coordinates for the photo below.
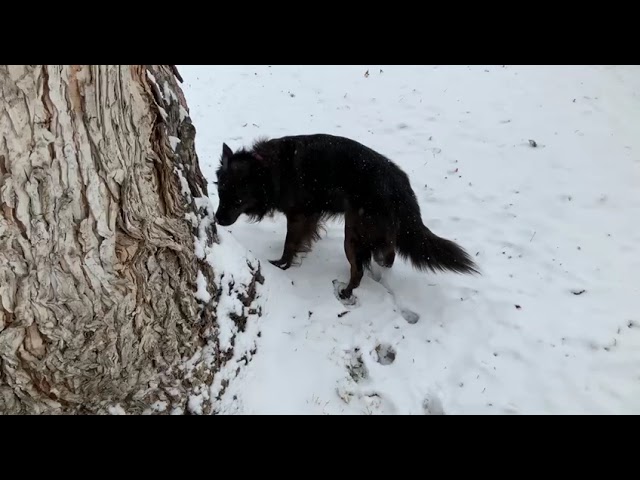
(552, 326)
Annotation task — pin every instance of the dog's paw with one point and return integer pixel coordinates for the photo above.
(282, 265)
(338, 290)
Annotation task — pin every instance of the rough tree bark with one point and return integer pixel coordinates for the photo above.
(101, 197)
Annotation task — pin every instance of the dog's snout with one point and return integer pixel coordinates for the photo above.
(222, 219)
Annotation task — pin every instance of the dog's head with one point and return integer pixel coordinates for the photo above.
(241, 186)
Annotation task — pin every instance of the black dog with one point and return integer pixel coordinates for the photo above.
(311, 178)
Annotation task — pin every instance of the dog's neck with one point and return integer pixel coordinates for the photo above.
(269, 161)
(269, 154)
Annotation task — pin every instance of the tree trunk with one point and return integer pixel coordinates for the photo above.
(101, 197)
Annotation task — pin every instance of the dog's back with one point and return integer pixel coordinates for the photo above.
(328, 174)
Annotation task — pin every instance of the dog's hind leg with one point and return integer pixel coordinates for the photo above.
(379, 232)
(302, 231)
(355, 257)
(357, 254)
(383, 257)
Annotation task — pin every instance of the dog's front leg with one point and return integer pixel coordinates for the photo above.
(295, 232)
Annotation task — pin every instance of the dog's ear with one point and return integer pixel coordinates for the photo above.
(258, 157)
(227, 153)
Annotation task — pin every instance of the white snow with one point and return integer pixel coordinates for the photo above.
(168, 92)
(183, 113)
(117, 410)
(201, 293)
(160, 406)
(195, 403)
(542, 223)
(174, 141)
(186, 191)
(229, 262)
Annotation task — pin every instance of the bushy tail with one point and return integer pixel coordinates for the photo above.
(427, 251)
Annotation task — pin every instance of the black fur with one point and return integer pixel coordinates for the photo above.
(311, 178)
